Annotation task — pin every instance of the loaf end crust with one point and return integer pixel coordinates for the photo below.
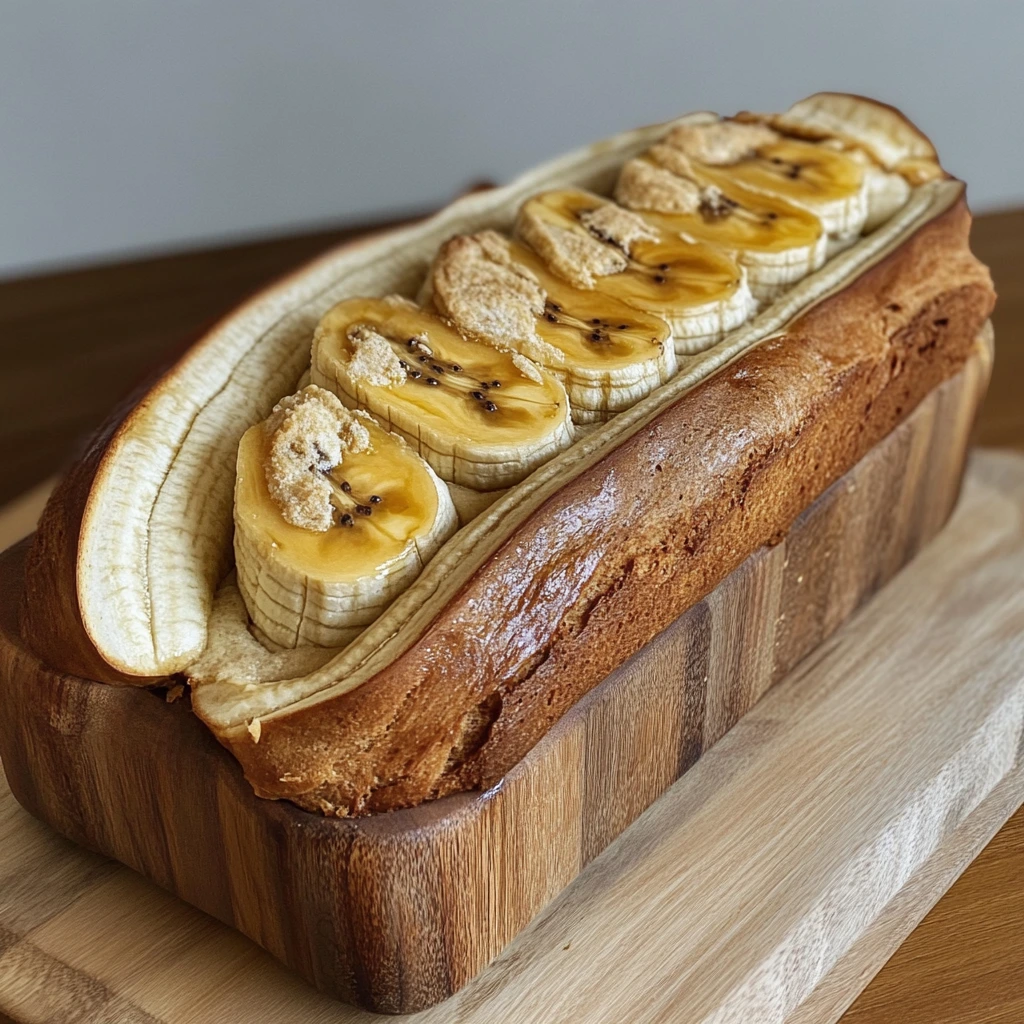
(50, 617)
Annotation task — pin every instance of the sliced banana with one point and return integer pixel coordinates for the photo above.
(894, 154)
(821, 179)
(886, 191)
(593, 243)
(892, 142)
(334, 518)
(607, 354)
(482, 418)
(776, 242)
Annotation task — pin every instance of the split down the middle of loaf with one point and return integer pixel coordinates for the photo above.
(521, 340)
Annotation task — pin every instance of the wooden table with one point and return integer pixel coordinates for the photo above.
(71, 343)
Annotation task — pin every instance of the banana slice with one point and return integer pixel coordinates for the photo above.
(592, 243)
(607, 355)
(482, 418)
(334, 518)
(776, 242)
(894, 154)
(821, 179)
(892, 142)
(886, 191)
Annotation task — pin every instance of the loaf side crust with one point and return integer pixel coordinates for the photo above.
(626, 547)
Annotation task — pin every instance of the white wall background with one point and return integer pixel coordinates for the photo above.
(140, 125)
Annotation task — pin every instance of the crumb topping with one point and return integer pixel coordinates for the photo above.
(622, 228)
(666, 182)
(483, 290)
(720, 142)
(527, 367)
(309, 433)
(478, 285)
(674, 160)
(573, 255)
(373, 360)
(643, 185)
(599, 246)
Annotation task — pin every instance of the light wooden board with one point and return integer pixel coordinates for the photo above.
(783, 869)
(396, 912)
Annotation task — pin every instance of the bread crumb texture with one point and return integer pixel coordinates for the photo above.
(572, 254)
(309, 432)
(373, 360)
(597, 247)
(478, 284)
(720, 142)
(611, 223)
(645, 186)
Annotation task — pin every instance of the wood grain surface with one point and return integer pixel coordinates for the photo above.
(396, 912)
(880, 767)
(962, 963)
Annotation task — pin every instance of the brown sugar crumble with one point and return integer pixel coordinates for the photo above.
(309, 434)
(720, 142)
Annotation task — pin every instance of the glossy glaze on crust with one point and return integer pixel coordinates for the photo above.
(627, 546)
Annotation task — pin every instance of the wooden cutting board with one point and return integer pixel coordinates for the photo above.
(396, 912)
(768, 884)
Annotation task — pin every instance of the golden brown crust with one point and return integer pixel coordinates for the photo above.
(626, 547)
